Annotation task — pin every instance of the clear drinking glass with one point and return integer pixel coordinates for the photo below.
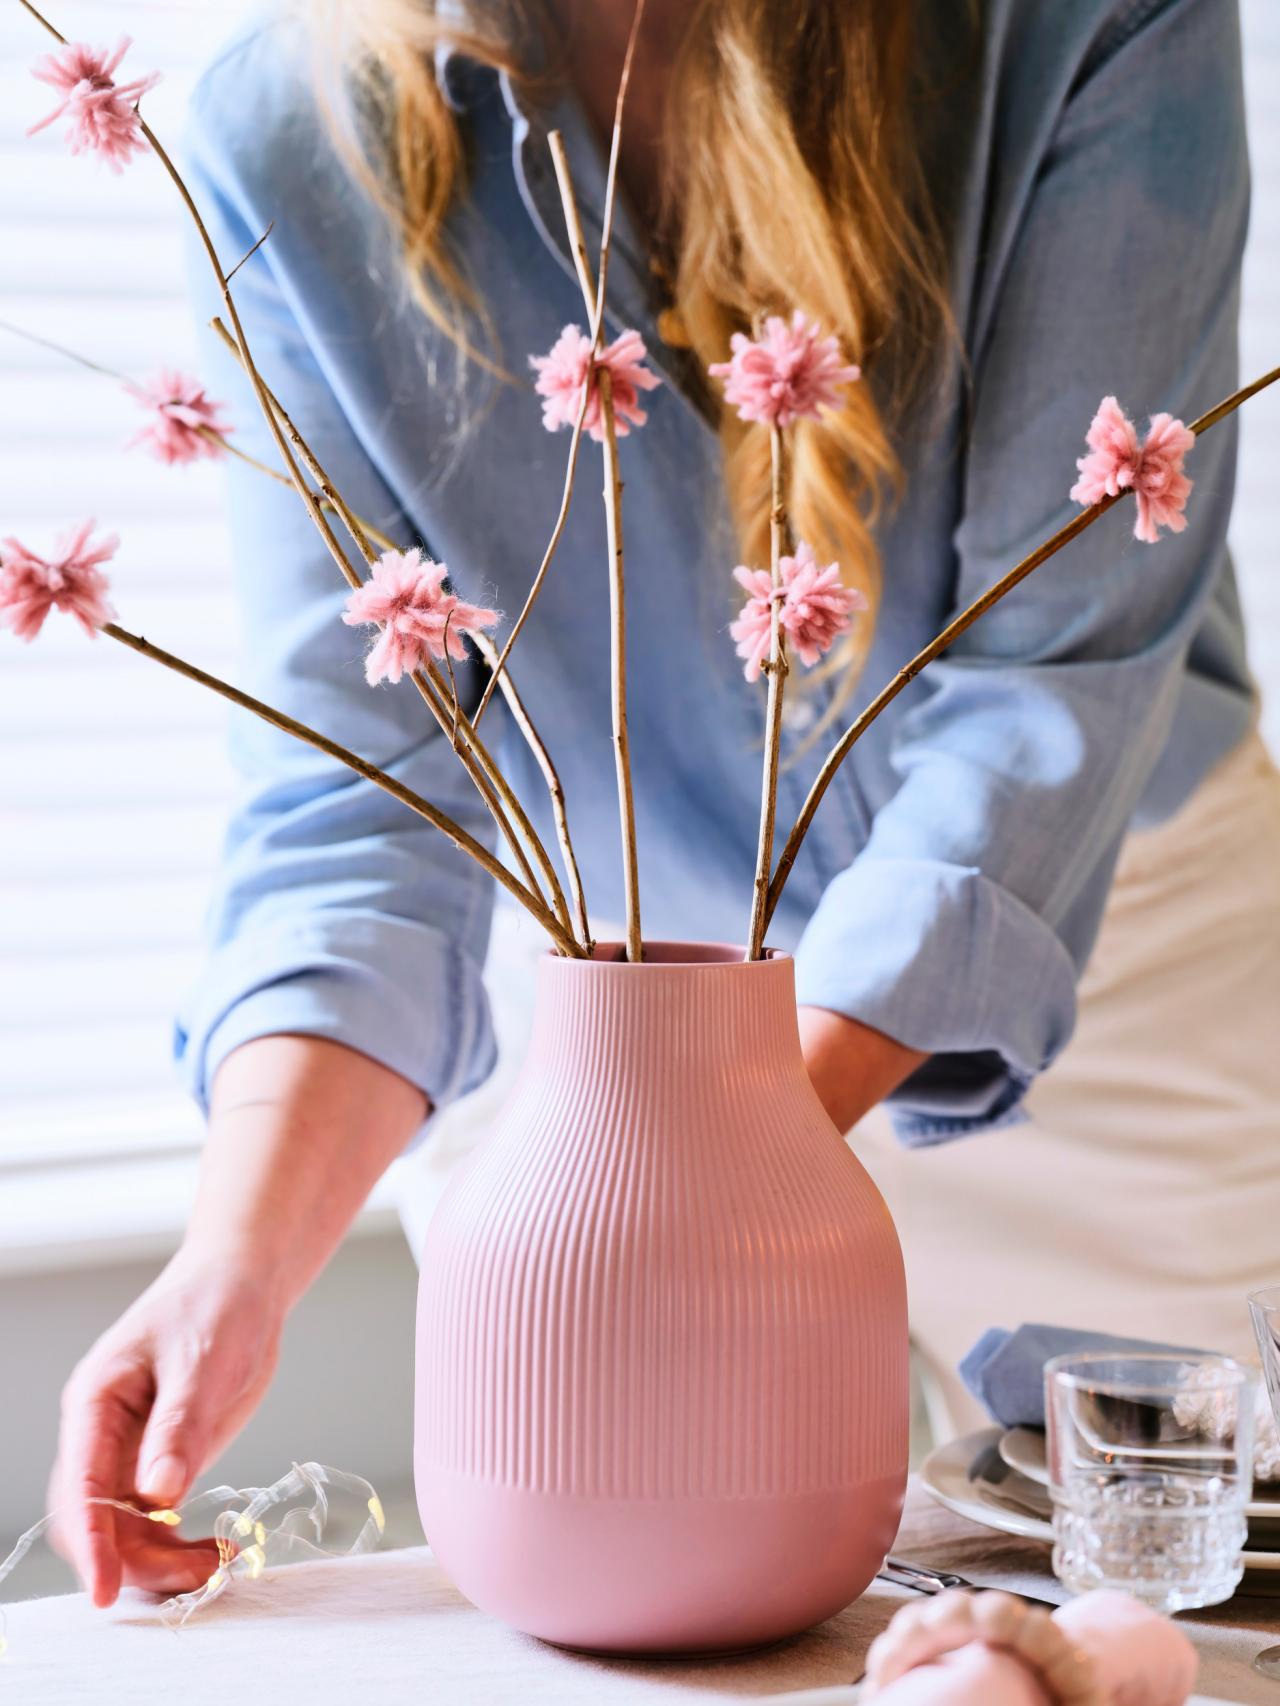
(1150, 1469)
(1264, 1306)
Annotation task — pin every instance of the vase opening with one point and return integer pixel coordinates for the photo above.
(681, 954)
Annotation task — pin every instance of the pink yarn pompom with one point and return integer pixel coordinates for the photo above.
(816, 607)
(182, 416)
(71, 580)
(405, 595)
(1116, 461)
(562, 373)
(101, 114)
(787, 374)
(994, 1649)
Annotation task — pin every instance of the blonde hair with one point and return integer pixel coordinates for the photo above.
(799, 188)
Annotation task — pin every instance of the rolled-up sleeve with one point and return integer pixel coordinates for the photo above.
(962, 927)
(337, 912)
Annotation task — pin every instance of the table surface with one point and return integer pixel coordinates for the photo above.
(391, 1628)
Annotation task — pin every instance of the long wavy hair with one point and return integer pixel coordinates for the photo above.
(800, 186)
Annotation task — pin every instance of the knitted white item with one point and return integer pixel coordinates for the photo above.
(1215, 1415)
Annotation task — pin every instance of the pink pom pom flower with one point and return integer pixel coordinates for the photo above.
(1117, 462)
(815, 608)
(71, 580)
(101, 114)
(182, 419)
(563, 371)
(786, 375)
(405, 595)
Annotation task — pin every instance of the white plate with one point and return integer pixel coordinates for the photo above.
(946, 1476)
(1023, 1449)
(845, 1695)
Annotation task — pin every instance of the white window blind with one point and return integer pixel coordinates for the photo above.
(113, 780)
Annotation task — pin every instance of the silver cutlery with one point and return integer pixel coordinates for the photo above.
(921, 1579)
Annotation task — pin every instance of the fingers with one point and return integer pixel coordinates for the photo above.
(156, 1399)
(101, 1422)
(156, 1560)
(177, 1438)
(166, 1475)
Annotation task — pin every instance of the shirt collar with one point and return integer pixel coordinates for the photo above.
(455, 73)
(632, 298)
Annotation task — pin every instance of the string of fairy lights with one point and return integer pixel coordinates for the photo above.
(246, 1542)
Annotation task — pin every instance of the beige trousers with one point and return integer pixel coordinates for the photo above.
(1144, 1195)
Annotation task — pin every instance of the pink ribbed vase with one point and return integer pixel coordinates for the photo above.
(662, 1337)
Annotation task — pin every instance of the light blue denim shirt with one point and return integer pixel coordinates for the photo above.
(1088, 161)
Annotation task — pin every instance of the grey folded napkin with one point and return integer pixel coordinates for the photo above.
(1005, 1371)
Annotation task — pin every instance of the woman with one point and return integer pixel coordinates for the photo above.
(1003, 213)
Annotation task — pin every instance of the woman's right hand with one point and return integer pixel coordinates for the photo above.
(300, 1129)
(156, 1399)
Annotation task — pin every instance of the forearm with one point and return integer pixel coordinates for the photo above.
(853, 1067)
(300, 1130)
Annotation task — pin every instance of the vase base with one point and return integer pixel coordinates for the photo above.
(659, 1577)
(747, 1650)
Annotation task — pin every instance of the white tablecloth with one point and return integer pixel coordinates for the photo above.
(391, 1630)
(364, 1631)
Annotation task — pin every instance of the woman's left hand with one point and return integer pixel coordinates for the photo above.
(852, 1066)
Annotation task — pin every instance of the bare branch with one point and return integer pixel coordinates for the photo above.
(952, 632)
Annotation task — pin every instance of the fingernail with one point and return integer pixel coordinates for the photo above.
(162, 1481)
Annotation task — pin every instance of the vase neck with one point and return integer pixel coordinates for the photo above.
(666, 1017)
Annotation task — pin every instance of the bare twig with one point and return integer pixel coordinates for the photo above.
(453, 684)
(309, 499)
(475, 757)
(573, 224)
(130, 385)
(61, 349)
(594, 301)
(524, 722)
(777, 671)
(251, 461)
(43, 21)
(575, 442)
(618, 667)
(1230, 404)
(362, 532)
(250, 253)
(600, 376)
(952, 632)
(356, 526)
(611, 177)
(557, 532)
(370, 772)
(584, 274)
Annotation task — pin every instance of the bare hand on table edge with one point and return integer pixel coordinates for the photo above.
(300, 1131)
